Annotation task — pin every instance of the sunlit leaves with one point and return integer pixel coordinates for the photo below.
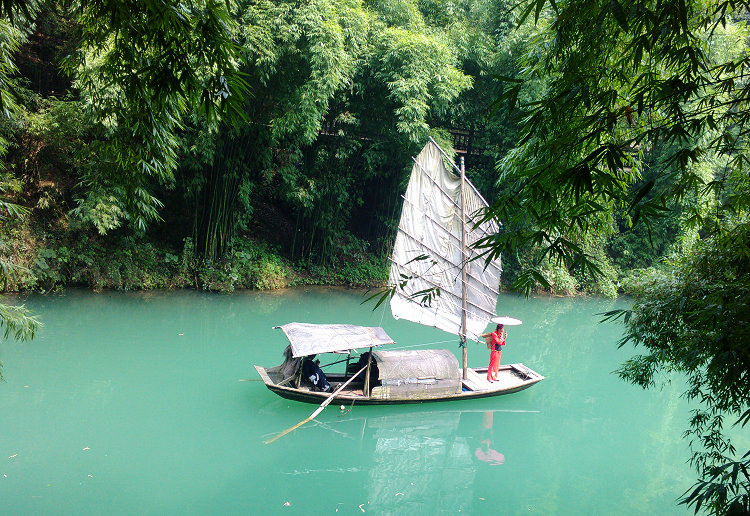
(645, 111)
(373, 77)
(18, 322)
(331, 51)
(421, 74)
(15, 321)
(141, 66)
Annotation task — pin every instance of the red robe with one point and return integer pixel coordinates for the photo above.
(495, 353)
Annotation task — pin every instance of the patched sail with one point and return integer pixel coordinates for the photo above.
(427, 256)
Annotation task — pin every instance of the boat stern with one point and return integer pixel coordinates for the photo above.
(264, 375)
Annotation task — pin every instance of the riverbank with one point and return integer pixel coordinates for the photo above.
(51, 257)
(52, 261)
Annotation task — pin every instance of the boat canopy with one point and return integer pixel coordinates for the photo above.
(416, 374)
(412, 364)
(311, 339)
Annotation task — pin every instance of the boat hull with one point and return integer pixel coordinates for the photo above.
(475, 386)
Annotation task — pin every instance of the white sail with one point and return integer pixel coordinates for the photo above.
(427, 256)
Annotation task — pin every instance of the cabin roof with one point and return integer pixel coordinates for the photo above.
(311, 339)
(437, 364)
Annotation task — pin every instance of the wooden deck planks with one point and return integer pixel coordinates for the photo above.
(476, 382)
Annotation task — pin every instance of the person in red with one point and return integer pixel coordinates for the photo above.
(497, 341)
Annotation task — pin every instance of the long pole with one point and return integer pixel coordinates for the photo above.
(366, 390)
(319, 409)
(464, 301)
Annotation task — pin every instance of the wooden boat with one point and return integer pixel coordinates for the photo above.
(403, 376)
(438, 279)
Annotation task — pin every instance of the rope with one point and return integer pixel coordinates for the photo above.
(381, 315)
(425, 344)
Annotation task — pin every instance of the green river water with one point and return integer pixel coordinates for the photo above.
(131, 403)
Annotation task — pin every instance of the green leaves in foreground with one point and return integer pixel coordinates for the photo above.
(693, 320)
(641, 115)
(628, 102)
(18, 322)
(14, 320)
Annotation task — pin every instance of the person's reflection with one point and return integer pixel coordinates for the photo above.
(485, 453)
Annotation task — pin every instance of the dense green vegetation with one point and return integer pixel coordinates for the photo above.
(259, 144)
(303, 151)
(643, 119)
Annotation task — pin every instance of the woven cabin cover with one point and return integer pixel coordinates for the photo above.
(427, 252)
(311, 339)
(439, 364)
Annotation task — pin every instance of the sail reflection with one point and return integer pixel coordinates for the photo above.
(424, 462)
(412, 454)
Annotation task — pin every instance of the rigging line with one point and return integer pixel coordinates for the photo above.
(451, 305)
(434, 183)
(452, 323)
(479, 278)
(488, 228)
(446, 289)
(467, 255)
(478, 229)
(445, 155)
(424, 344)
(446, 268)
(493, 268)
(474, 213)
(450, 299)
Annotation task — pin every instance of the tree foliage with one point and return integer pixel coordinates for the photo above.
(693, 319)
(141, 66)
(14, 320)
(343, 92)
(621, 80)
(637, 113)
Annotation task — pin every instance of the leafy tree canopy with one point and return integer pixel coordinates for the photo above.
(139, 68)
(14, 320)
(693, 319)
(619, 80)
(641, 108)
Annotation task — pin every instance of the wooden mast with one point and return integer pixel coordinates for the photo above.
(464, 301)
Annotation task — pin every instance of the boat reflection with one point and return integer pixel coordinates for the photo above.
(423, 462)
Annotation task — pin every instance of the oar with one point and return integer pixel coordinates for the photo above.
(318, 410)
(261, 379)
